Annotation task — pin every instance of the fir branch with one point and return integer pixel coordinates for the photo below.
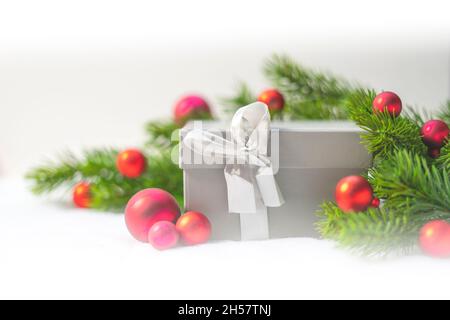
(243, 97)
(109, 189)
(445, 112)
(410, 184)
(161, 134)
(376, 232)
(444, 159)
(69, 169)
(383, 134)
(309, 94)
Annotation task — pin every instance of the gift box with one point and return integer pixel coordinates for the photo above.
(256, 180)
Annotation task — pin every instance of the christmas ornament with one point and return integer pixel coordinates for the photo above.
(146, 208)
(375, 203)
(353, 193)
(163, 235)
(434, 238)
(435, 133)
(194, 228)
(273, 98)
(131, 163)
(189, 108)
(82, 195)
(434, 152)
(387, 101)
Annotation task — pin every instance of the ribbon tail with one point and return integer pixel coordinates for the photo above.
(255, 226)
(268, 187)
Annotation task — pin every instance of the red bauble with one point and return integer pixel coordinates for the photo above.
(273, 98)
(435, 133)
(146, 208)
(434, 239)
(434, 152)
(131, 163)
(353, 193)
(194, 228)
(82, 195)
(191, 108)
(388, 101)
(375, 203)
(163, 235)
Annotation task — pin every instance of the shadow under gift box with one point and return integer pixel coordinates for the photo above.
(313, 157)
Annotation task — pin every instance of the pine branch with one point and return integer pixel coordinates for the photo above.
(243, 97)
(69, 169)
(444, 159)
(383, 134)
(445, 112)
(376, 232)
(410, 184)
(309, 94)
(109, 189)
(161, 134)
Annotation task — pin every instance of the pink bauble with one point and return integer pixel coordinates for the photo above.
(146, 208)
(190, 108)
(163, 235)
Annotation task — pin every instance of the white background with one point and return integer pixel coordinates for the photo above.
(90, 73)
(75, 74)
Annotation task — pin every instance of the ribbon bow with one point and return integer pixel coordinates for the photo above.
(249, 173)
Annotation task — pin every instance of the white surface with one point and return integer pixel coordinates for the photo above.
(91, 72)
(48, 250)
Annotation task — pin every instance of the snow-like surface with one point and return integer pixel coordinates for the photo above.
(48, 250)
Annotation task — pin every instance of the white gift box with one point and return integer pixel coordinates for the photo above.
(312, 156)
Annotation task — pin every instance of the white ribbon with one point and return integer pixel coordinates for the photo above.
(250, 177)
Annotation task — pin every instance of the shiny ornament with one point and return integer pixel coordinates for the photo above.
(434, 239)
(435, 133)
(353, 193)
(131, 163)
(434, 152)
(387, 101)
(191, 108)
(375, 203)
(146, 208)
(163, 235)
(194, 228)
(273, 98)
(82, 195)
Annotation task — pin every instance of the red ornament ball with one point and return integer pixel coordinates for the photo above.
(82, 195)
(191, 108)
(387, 101)
(194, 228)
(146, 208)
(131, 163)
(353, 193)
(163, 235)
(375, 203)
(434, 152)
(273, 98)
(434, 239)
(435, 133)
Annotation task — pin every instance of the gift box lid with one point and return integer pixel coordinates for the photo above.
(302, 144)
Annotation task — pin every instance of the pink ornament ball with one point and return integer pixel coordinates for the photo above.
(190, 108)
(163, 235)
(148, 207)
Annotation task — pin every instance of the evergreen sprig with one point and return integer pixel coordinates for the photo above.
(445, 112)
(383, 133)
(308, 94)
(375, 232)
(109, 189)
